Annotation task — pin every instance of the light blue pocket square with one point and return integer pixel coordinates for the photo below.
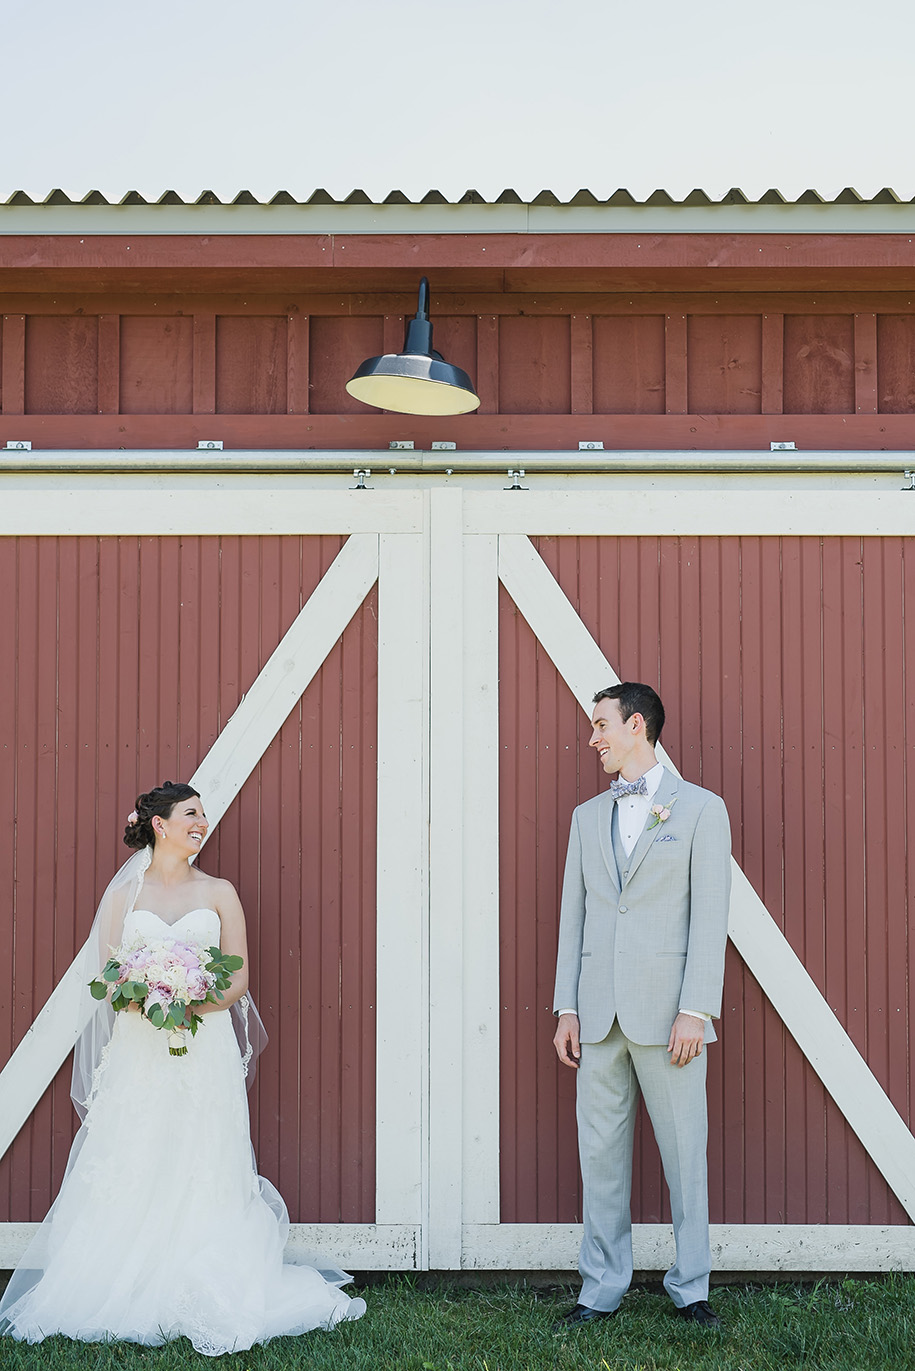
(667, 838)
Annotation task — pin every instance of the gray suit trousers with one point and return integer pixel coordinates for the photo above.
(610, 1077)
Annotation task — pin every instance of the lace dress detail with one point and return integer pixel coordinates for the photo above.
(162, 1227)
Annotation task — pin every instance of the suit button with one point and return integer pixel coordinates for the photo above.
(624, 909)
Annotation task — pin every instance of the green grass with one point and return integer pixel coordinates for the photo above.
(412, 1325)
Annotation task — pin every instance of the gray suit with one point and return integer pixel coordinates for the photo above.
(640, 938)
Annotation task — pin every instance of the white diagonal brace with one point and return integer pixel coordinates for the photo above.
(755, 934)
(265, 708)
(222, 773)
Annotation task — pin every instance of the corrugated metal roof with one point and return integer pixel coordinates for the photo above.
(583, 199)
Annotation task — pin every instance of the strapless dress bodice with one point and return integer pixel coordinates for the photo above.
(199, 924)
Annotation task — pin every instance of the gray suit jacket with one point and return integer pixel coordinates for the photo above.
(643, 943)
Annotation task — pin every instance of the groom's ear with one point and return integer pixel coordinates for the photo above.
(638, 722)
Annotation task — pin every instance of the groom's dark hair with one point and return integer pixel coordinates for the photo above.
(635, 698)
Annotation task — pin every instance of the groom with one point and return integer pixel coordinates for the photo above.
(638, 980)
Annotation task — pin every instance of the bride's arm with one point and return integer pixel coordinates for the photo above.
(234, 942)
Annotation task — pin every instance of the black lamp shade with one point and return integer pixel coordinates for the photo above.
(417, 380)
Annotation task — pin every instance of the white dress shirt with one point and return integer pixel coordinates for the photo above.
(632, 815)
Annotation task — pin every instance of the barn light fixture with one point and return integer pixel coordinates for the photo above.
(417, 380)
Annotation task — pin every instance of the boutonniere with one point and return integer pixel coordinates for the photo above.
(661, 813)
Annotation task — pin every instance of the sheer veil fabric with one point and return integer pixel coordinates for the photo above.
(162, 1226)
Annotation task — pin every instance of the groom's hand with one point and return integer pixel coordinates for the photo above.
(566, 1041)
(686, 1039)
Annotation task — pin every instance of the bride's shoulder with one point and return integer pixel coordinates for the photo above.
(220, 894)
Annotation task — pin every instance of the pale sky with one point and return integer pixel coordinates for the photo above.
(485, 94)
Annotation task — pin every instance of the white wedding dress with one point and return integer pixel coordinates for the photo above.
(162, 1226)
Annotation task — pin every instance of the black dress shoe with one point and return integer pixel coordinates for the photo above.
(700, 1312)
(581, 1314)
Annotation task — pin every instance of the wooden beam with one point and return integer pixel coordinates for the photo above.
(481, 432)
(582, 350)
(865, 364)
(205, 363)
(487, 377)
(12, 360)
(716, 253)
(298, 335)
(773, 362)
(675, 383)
(109, 363)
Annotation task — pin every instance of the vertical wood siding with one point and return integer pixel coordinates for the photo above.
(786, 668)
(125, 658)
(653, 363)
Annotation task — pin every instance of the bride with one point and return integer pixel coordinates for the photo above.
(162, 1227)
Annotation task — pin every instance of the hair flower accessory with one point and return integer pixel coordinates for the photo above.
(661, 813)
(133, 817)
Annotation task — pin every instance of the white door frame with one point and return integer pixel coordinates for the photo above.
(438, 554)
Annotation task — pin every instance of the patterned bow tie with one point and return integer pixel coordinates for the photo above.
(620, 788)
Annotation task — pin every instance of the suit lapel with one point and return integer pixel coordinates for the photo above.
(665, 794)
(604, 819)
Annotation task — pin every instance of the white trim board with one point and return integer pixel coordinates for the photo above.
(554, 1247)
(401, 883)
(735, 1247)
(152, 506)
(220, 776)
(608, 510)
(340, 218)
(363, 1246)
(758, 939)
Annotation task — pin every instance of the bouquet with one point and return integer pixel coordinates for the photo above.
(168, 979)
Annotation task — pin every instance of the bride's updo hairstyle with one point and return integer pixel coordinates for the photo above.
(161, 800)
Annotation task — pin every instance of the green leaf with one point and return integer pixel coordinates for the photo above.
(233, 963)
(99, 990)
(156, 1015)
(112, 971)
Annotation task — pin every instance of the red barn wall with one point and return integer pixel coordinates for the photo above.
(685, 341)
(124, 659)
(787, 660)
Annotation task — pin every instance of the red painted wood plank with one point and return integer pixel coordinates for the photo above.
(61, 364)
(675, 364)
(582, 364)
(526, 252)
(724, 364)
(895, 362)
(251, 364)
(773, 362)
(487, 368)
(109, 356)
(156, 374)
(338, 347)
(204, 363)
(628, 364)
(380, 294)
(12, 365)
(819, 364)
(534, 366)
(865, 364)
(297, 342)
(393, 335)
(472, 433)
